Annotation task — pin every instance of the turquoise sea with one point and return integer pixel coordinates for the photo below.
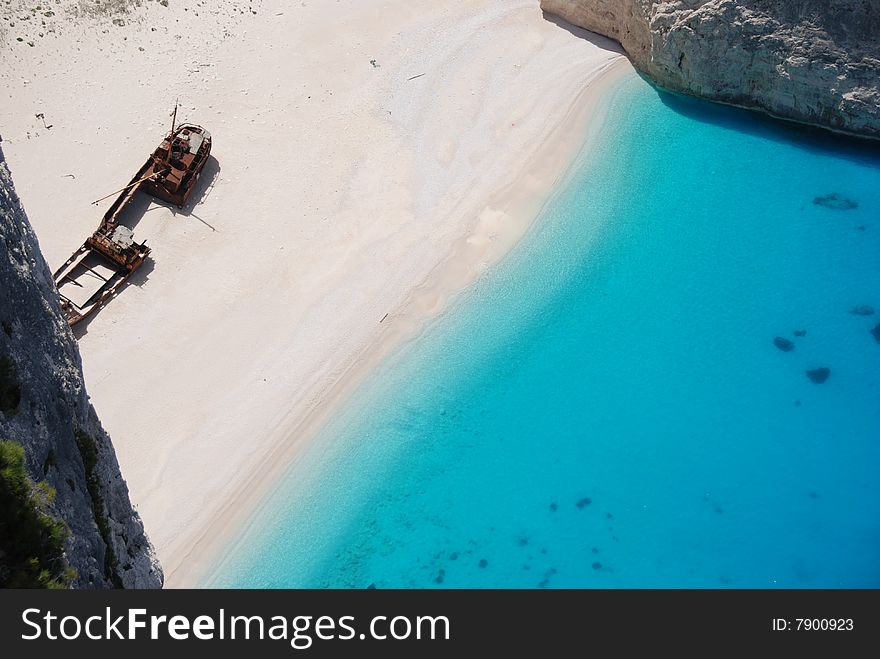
(606, 407)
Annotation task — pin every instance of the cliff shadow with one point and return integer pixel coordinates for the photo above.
(760, 124)
(596, 39)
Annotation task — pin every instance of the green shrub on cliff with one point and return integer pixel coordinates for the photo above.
(31, 542)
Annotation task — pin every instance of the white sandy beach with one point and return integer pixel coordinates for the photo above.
(339, 191)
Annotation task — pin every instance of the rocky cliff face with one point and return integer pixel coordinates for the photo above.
(813, 61)
(44, 408)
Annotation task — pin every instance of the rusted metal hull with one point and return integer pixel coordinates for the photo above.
(177, 164)
(89, 279)
(108, 258)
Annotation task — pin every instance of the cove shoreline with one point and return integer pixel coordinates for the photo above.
(505, 221)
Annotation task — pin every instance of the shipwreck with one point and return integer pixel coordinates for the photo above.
(106, 260)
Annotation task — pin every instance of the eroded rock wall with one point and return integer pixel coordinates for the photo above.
(46, 410)
(812, 61)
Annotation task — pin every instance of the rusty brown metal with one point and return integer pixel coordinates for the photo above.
(177, 163)
(105, 261)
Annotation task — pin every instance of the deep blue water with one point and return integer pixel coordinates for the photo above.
(606, 407)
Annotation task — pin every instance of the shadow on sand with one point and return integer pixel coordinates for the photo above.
(596, 39)
(142, 203)
(139, 278)
(139, 206)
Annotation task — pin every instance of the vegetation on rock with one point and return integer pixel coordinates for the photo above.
(31, 541)
(89, 452)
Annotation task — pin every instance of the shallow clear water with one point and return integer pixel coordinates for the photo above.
(606, 408)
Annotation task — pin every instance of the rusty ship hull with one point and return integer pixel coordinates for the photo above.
(89, 279)
(96, 272)
(174, 168)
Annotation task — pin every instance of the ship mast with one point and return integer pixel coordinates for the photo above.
(167, 159)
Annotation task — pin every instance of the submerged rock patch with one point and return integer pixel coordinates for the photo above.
(835, 202)
(800, 332)
(783, 344)
(862, 310)
(819, 375)
(876, 332)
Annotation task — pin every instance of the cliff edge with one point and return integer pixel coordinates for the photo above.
(812, 61)
(65, 516)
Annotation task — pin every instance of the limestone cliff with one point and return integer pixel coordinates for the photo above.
(813, 61)
(44, 408)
